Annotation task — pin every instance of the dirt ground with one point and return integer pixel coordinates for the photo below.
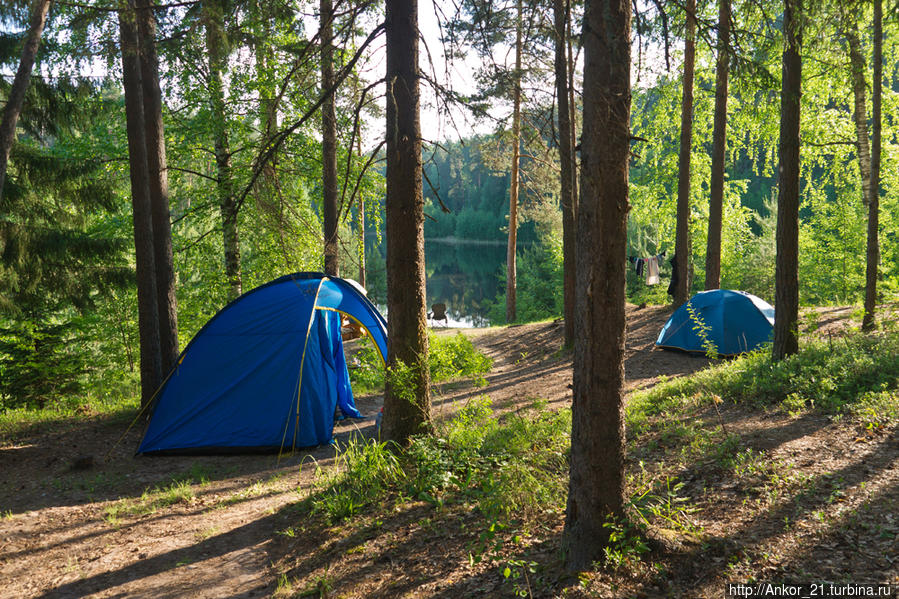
(80, 516)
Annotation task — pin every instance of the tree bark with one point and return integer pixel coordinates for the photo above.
(786, 277)
(561, 9)
(719, 150)
(857, 68)
(166, 301)
(512, 247)
(329, 143)
(407, 404)
(872, 258)
(147, 310)
(682, 247)
(596, 488)
(16, 98)
(216, 49)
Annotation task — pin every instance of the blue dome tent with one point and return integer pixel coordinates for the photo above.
(266, 372)
(736, 322)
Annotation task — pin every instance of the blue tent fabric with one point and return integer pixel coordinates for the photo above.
(738, 322)
(266, 372)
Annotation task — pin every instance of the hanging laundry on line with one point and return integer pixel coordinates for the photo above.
(647, 268)
(652, 270)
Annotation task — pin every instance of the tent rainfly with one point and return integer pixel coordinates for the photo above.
(735, 322)
(266, 372)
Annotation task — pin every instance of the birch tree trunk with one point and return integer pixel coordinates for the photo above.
(872, 258)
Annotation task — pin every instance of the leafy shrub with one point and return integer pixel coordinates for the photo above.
(450, 357)
(509, 469)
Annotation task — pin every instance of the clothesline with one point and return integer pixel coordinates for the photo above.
(648, 267)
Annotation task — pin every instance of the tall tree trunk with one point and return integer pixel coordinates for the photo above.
(596, 488)
(786, 277)
(872, 259)
(407, 403)
(216, 47)
(682, 247)
(361, 275)
(719, 149)
(16, 98)
(166, 301)
(512, 247)
(857, 69)
(147, 311)
(566, 195)
(329, 143)
(361, 224)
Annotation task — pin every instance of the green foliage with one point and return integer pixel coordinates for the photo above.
(509, 469)
(455, 357)
(702, 331)
(626, 544)
(540, 292)
(365, 470)
(35, 366)
(856, 375)
(450, 357)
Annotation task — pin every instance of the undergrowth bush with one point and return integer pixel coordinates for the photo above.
(508, 470)
(450, 357)
(364, 472)
(855, 375)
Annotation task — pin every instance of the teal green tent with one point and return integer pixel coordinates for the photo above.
(735, 321)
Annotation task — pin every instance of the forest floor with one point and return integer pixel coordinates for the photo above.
(815, 499)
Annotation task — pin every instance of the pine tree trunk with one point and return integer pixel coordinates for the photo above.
(512, 247)
(16, 98)
(719, 150)
(566, 194)
(407, 405)
(596, 488)
(147, 310)
(682, 247)
(216, 49)
(786, 278)
(872, 258)
(166, 301)
(329, 143)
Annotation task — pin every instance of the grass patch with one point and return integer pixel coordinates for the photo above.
(857, 375)
(508, 471)
(450, 357)
(20, 422)
(151, 501)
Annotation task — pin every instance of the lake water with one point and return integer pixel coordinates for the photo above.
(467, 276)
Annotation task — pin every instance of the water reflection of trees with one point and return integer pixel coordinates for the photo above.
(467, 277)
(464, 276)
